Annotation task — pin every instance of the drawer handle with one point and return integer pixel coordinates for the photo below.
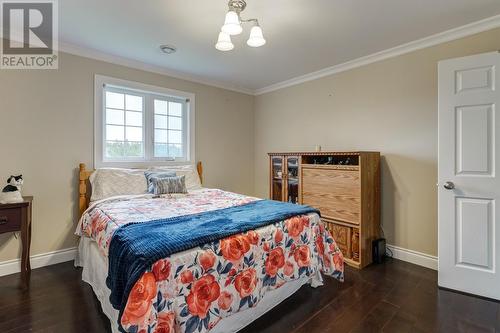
(3, 220)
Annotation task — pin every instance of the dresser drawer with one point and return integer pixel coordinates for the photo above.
(10, 219)
(336, 193)
(342, 236)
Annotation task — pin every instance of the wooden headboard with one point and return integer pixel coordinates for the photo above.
(84, 197)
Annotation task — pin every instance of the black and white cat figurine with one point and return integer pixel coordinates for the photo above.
(12, 192)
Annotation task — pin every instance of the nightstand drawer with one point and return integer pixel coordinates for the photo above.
(10, 219)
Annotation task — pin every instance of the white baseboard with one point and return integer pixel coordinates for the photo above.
(38, 260)
(414, 257)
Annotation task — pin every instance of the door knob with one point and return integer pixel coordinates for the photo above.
(449, 185)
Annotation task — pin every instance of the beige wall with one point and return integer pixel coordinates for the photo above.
(46, 129)
(389, 106)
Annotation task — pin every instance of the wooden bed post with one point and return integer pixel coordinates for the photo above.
(82, 189)
(199, 167)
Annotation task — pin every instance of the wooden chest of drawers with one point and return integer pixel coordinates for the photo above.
(345, 187)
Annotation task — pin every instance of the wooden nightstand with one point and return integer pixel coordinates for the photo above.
(17, 217)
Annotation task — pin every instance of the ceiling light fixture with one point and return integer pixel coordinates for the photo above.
(224, 42)
(232, 26)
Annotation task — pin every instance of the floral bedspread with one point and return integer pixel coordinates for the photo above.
(192, 291)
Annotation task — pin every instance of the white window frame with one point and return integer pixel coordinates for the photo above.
(149, 92)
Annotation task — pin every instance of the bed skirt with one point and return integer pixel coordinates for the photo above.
(95, 271)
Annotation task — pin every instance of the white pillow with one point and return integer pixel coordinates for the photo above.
(189, 171)
(108, 182)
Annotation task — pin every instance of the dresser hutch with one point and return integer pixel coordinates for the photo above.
(344, 186)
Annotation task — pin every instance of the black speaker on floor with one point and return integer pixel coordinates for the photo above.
(378, 250)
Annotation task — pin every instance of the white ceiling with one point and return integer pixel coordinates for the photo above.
(303, 36)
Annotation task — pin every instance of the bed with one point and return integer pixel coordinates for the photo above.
(155, 264)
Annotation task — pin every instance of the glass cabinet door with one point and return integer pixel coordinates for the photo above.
(292, 179)
(277, 190)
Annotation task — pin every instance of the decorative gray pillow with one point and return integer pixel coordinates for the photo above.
(169, 185)
(156, 174)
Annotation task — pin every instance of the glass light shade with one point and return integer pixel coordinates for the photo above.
(224, 42)
(256, 38)
(232, 25)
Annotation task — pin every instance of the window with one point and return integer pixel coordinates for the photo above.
(137, 124)
(168, 126)
(124, 125)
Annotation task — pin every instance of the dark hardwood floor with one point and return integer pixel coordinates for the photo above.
(392, 297)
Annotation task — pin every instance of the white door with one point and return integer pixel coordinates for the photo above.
(469, 187)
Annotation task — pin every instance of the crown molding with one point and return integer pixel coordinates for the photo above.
(136, 64)
(443, 37)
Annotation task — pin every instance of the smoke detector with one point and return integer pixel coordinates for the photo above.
(168, 49)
